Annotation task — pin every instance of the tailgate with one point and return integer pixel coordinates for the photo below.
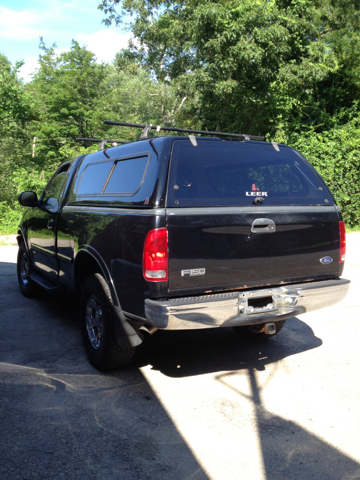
(224, 248)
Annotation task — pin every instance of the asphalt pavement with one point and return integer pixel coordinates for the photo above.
(193, 405)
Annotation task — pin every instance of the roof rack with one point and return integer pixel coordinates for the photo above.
(147, 127)
(102, 141)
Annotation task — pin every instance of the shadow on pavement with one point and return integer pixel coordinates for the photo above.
(196, 352)
(60, 418)
(289, 451)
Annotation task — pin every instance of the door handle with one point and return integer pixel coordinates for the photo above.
(263, 225)
(50, 224)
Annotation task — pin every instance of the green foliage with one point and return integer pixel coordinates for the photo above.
(9, 218)
(336, 156)
(250, 66)
(287, 69)
(15, 113)
(24, 179)
(69, 96)
(66, 90)
(30, 179)
(14, 104)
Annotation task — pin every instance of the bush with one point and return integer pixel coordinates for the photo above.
(11, 212)
(9, 218)
(336, 156)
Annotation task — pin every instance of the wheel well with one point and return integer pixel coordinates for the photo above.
(85, 265)
(20, 238)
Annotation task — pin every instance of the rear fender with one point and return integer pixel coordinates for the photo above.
(21, 238)
(94, 257)
(126, 335)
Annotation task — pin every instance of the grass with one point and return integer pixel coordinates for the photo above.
(352, 230)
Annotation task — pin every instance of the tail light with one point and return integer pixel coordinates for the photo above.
(156, 257)
(342, 242)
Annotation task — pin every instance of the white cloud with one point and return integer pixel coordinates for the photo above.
(57, 21)
(31, 64)
(19, 25)
(104, 43)
(44, 17)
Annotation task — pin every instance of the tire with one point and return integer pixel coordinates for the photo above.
(254, 331)
(24, 269)
(98, 328)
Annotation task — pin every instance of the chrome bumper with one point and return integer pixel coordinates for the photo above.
(233, 309)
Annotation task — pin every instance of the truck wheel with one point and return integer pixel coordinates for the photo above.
(254, 331)
(97, 326)
(28, 288)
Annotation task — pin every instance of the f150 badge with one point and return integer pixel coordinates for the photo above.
(194, 272)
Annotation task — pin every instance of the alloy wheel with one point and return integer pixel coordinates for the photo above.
(94, 322)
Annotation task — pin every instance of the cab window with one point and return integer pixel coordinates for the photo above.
(54, 187)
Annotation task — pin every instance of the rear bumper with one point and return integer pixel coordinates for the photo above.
(232, 309)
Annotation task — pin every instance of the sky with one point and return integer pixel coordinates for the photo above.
(23, 22)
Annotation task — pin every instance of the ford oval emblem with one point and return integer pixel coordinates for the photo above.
(326, 260)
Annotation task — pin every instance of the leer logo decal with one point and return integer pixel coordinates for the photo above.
(256, 194)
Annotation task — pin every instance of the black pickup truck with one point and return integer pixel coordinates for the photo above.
(183, 232)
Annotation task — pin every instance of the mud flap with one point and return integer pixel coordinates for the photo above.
(126, 335)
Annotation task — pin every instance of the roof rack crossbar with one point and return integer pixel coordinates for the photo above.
(102, 141)
(99, 140)
(181, 130)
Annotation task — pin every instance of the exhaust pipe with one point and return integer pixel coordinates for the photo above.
(269, 329)
(148, 329)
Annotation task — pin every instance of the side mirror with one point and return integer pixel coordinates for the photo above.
(28, 199)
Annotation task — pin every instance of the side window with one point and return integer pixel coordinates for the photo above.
(127, 176)
(94, 177)
(53, 188)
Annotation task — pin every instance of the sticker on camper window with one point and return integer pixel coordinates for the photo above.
(256, 194)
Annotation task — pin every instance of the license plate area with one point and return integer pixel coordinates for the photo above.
(256, 302)
(260, 302)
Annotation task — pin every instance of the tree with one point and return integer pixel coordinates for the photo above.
(254, 67)
(74, 94)
(69, 96)
(66, 89)
(15, 112)
(133, 96)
